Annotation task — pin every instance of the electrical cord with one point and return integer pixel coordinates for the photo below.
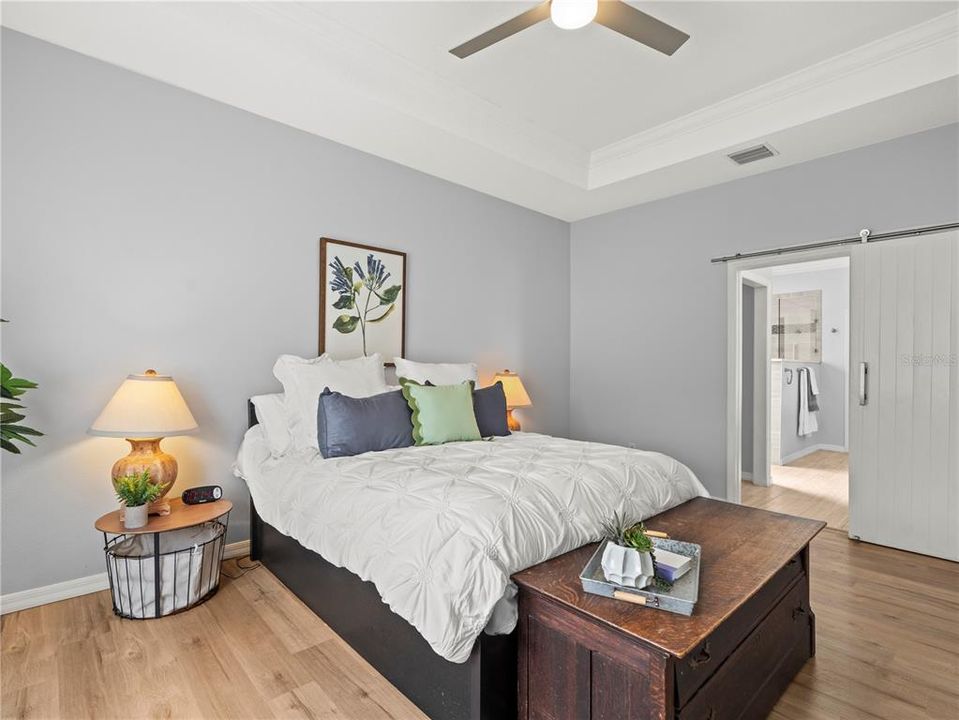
(244, 569)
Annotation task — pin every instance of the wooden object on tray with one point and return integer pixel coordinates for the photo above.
(583, 656)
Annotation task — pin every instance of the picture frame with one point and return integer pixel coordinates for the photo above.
(362, 300)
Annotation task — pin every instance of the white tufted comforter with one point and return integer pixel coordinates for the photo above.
(439, 530)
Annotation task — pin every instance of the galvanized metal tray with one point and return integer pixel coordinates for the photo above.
(680, 598)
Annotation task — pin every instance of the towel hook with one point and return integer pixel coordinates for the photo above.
(788, 374)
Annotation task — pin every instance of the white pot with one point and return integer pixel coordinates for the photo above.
(135, 517)
(626, 566)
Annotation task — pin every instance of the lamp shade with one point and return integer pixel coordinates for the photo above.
(145, 406)
(516, 395)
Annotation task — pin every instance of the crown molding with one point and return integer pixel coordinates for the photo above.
(917, 56)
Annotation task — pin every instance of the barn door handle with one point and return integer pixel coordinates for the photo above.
(863, 383)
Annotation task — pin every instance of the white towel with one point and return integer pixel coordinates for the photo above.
(808, 419)
(813, 385)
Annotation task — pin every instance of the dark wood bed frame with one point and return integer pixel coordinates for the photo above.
(482, 688)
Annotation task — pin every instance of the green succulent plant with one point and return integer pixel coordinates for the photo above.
(135, 490)
(632, 534)
(627, 533)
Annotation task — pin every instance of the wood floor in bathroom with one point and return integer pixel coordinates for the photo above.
(815, 486)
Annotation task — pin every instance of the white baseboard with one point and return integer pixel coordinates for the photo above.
(237, 549)
(809, 451)
(746, 476)
(12, 602)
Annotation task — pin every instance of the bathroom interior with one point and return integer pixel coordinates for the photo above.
(807, 321)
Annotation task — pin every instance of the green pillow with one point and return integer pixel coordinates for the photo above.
(441, 413)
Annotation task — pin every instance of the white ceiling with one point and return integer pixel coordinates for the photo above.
(594, 87)
(570, 123)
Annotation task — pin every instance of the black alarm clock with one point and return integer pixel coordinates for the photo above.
(202, 494)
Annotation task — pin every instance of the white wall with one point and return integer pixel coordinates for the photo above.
(648, 309)
(748, 321)
(831, 372)
(144, 226)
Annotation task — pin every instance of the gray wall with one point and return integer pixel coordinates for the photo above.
(648, 310)
(144, 226)
(830, 373)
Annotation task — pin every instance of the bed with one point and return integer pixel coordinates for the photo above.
(407, 554)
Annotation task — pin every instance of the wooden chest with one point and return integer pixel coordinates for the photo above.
(586, 657)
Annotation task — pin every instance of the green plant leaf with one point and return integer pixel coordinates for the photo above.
(135, 490)
(21, 383)
(11, 388)
(344, 303)
(22, 429)
(9, 416)
(389, 295)
(9, 434)
(346, 323)
(383, 316)
(9, 446)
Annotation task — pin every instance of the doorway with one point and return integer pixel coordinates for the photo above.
(794, 389)
(902, 388)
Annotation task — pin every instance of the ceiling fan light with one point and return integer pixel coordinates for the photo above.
(572, 14)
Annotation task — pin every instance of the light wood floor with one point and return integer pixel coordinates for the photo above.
(251, 651)
(887, 629)
(814, 486)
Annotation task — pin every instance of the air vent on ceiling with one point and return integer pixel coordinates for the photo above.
(760, 152)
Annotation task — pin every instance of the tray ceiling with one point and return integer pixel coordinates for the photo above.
(570, 123)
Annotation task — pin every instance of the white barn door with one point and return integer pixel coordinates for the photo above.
(904, 403)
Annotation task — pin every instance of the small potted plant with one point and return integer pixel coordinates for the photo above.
(136, 492)
(628, 557)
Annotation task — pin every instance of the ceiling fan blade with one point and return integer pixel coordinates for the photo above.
(503, 31)
(635, 24)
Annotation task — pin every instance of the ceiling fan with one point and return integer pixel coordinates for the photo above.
(573, 14)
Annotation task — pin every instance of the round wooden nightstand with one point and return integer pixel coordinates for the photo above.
(170, 564)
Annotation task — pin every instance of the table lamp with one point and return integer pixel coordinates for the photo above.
(145, 409)
(516, 395)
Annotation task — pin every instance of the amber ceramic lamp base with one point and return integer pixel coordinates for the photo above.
(146, 455)
(511, 421)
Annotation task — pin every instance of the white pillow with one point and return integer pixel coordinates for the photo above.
(304, 380)
(436, 373)
(271, 414)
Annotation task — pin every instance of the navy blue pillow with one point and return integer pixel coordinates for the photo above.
(489, 406)
(349, 426)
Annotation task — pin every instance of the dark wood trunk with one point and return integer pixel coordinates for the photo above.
(585, 657)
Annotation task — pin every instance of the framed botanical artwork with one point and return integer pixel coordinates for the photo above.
(362, 300)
